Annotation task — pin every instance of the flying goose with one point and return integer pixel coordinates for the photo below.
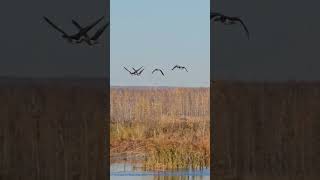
(179, 67)
(139, 73)
(76, 36)
(158, 70)
(90, 40)
(136, 70)
(227, 20)
(132, 73)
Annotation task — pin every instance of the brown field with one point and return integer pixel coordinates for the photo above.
(52, 129)
(266, 130)
(167, 127)
(56, 130)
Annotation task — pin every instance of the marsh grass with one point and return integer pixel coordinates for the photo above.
(170, 127)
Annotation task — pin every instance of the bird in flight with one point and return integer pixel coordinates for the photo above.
(158, 70)
(139, 73)
(135, 71)
(90, 40)
(228, 20)
(77, 36)
(179, 67)
(132, 73)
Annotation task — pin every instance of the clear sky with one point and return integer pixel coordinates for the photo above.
(160, 34)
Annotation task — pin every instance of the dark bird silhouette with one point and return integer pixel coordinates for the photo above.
(90, 40)
(76, 36)
(179, 67)
(228, 20)
(136, 70)
(139, 73)
(158, 70)
(132, 73)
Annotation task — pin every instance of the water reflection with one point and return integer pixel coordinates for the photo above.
(123, 171)
(160, 178)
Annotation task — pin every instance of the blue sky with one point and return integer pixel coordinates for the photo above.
(160, 34)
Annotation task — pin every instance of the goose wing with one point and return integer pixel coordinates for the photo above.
(154, 70)
(127, 69)
(138, 69)
(215, 14)
(161, 72)
(74, 22)
(94, 23)
(242, 23)
(86, 29)
(185, 68)
(55, 26)
(141, 71)
(174, 67)
(99, 32)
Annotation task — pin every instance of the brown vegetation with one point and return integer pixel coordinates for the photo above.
(266, 130)
(52, 129)
(169, 127)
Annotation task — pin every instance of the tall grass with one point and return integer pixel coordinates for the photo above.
(169, 126)
(266, 129)
(52, 129)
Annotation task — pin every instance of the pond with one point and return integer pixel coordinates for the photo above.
(123, 171)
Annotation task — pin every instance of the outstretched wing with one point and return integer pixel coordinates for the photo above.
(141, 71)
(185, 68)
(154, 70)
(94, 23)
(127, 69)
(174, 67)
(161, 72)
(86, 29)
(137, 69)
(242, 23)
(214, 14)
(55, 26)
(99, 32)
(74, 22)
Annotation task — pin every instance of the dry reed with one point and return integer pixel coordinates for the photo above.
(170, 126)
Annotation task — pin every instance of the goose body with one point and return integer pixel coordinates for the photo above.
(179, 67)
(228, 20)
(158, 70)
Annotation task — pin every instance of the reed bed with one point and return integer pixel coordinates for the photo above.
(52, 129)
(169, 127)
(266, 130)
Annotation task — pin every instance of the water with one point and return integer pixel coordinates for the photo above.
(124, 171)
